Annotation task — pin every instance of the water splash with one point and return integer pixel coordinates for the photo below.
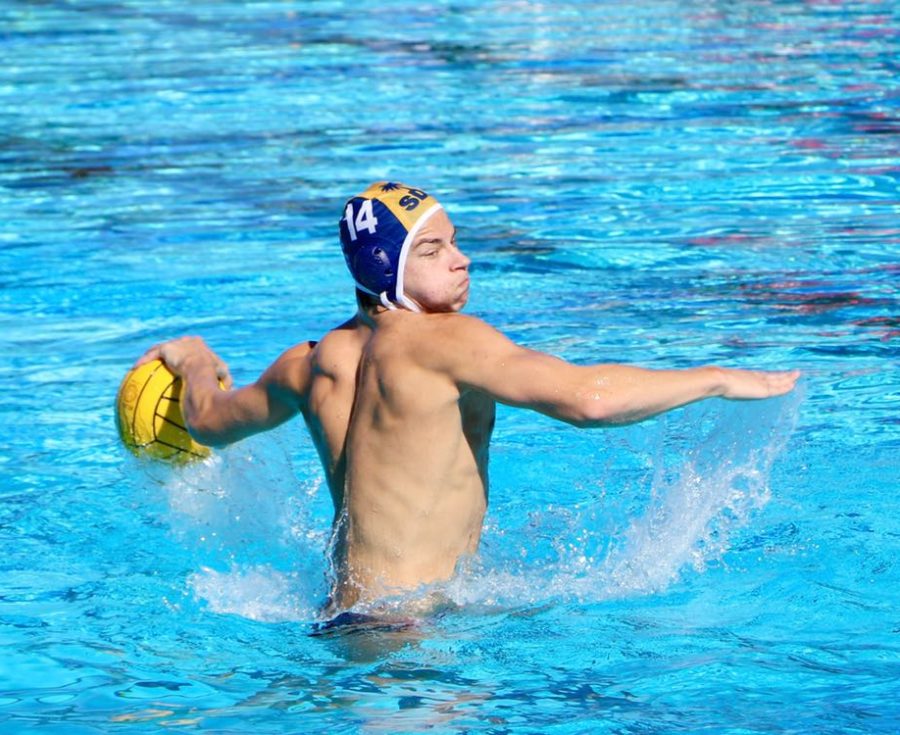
(702, 493)
(261, 548)
(255, 533)
(256, 592)
(690, 523)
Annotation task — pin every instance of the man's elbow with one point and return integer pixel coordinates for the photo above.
(596, 410)
(207, 434)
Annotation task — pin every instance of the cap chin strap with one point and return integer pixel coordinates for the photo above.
(405, 302)
(409, 303)
(402, 298)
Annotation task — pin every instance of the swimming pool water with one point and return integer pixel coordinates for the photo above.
(660, 183)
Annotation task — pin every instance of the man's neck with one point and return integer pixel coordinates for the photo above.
(369, 315)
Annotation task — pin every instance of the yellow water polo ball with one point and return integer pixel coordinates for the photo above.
(148, 413)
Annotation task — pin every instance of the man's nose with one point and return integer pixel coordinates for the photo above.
(462, 260)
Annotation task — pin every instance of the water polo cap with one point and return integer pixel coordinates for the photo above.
(377, 230)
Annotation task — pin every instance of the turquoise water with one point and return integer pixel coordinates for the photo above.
(661, 183)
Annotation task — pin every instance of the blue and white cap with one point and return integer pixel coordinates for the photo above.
(377, 230)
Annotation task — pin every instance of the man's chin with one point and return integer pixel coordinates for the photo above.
(463, 300)
(458, 306)
(446, 308)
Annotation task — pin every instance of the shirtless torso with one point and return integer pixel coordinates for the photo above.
(401, 405)
(417, 466)
(404, 448)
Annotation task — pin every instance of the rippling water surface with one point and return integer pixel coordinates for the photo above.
(661, 183)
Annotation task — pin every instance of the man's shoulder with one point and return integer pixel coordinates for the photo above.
(451, 321)
(417, 328)
(336, 335)
(435, 341)
(340, 344)
(301, 350)
(458, 326)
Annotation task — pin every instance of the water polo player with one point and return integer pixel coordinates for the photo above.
(400, 399)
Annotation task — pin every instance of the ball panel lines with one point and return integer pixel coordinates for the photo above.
(149, 417)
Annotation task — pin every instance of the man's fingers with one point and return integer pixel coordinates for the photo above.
(780, 383)
(152, 354)
(177, 352)
(752, 384)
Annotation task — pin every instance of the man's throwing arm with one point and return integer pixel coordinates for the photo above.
(217, 417)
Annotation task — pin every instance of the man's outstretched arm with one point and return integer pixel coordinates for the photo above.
(592, 395)
(217, 417)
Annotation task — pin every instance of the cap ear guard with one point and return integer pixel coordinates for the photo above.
(400, 294)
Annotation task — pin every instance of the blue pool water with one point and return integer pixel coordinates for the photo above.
(660, 183)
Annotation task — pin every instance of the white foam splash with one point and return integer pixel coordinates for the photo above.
(256, 592)
(702, 495)
(256, 533)
(710, 474)
(688, 525)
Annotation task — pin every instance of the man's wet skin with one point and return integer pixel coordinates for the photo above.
(400, 401)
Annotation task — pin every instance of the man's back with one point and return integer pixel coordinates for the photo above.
(327, 398)
(417, 450)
